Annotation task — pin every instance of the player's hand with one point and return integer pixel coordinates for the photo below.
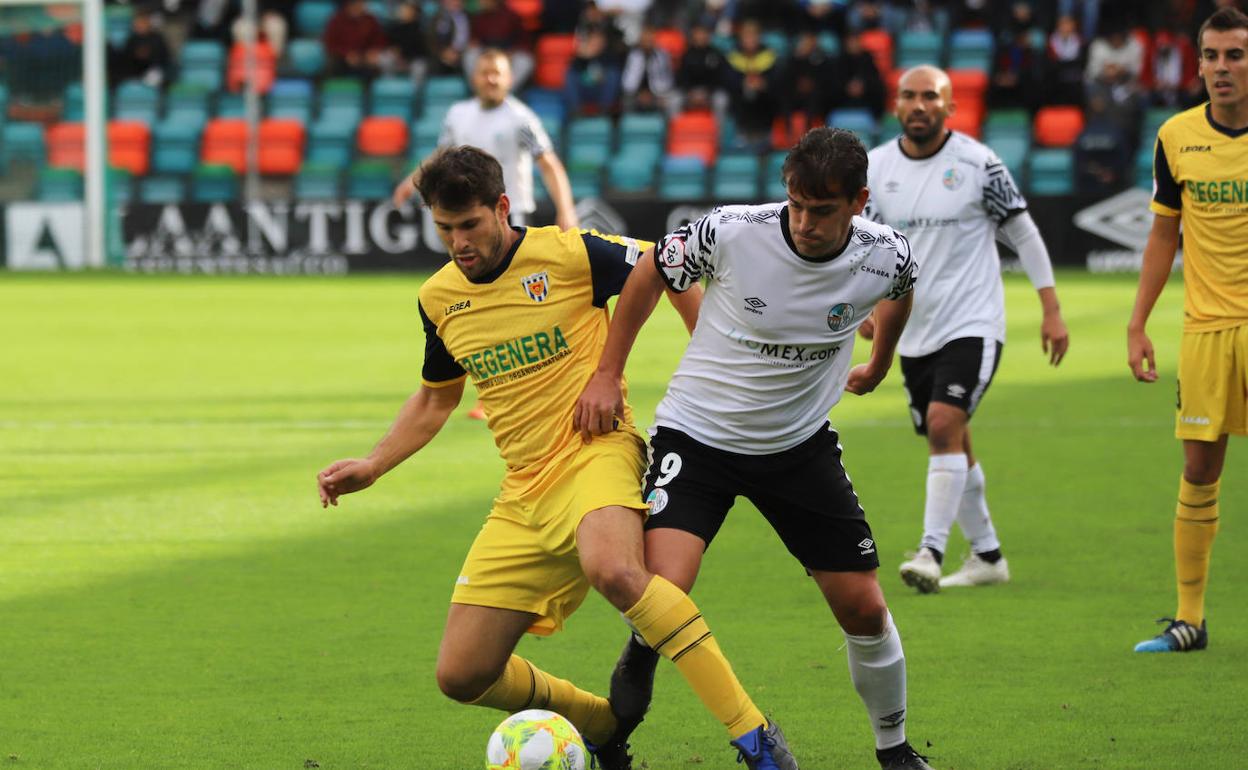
(1054, 338)
(596, 409)
(344, 477)
(866, 329)
(863, 379)
(1140, 356)
(567, 220)
(402, 192)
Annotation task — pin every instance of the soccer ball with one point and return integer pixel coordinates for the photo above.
(536, 740)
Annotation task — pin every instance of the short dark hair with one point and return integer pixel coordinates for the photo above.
(1222, 20)
(458, 178)
(825, 163)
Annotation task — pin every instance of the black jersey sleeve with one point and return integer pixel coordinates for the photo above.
(439, 366)
(611, 259)
(1166, 190)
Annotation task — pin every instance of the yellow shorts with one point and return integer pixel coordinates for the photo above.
(1213, 384)
(525, 557)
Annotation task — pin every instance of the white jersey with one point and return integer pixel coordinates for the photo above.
(511, 132)
(772, 347)
(949, 205)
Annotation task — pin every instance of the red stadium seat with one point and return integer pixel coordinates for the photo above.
(968, 85)
(225, 143)
(1058, 126)
(266, 67)
(967, 118)
(554, 54)
(382, 136)
(879, 44)
(67, 145)
(694, 133)
(281, 146)
(529, 11)
(129, 146)
(672, 41)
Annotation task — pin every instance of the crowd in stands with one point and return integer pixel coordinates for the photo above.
(772, 67)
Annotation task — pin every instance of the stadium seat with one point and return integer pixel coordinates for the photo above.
(778, 41)
(187, 102)
(117, 22)
(773, 179)
(530, 13)
(119, 187)
(291, 98)
(425, 133)
(162, 189)
(67, 145)
(554, 54)
(647, 128)
(596, 130)
(60, 184)
(546, 103)
(203, 63)
(369, 180)
(175, 146)
(129, 146)
(554, 129)
(694, 132)
(318, 181)
(879, 44)
(735, 178)
(214, 183)
(305, 58)
(281, 146)
(1051, 172)
(73, 110)
(331, 143)
(441, 92)
(231, 105)
(859, 120)
(969, 85)
(830, 43)
(342, 99)
(1007, 124)
(1012, 150)
(1058, 126)
(633, 170)
(392, 96)
(311, 16)
(225, 143)
(919, 47)
(136, 100)
(382, 136)
(266, 67)
(1144, 167)
(683, 178)
(970, 49)
(968, 119)
(671, 40)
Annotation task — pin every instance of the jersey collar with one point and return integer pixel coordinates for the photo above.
(788, 239)
(493, 275)
(902, 148)
(1233, 133)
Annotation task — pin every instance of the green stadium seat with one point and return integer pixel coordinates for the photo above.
(554, 129)
(187, 102)
(213, 183)
(311, 16)
(162, 189)
(117, 22)
(595, 130)
(59, 184)
(425, 133)
(370, 180)
(919, 47)
(642, 128)
(305, 58)
(830, 43)
(342, 99)
(318, 181)
(1144, 167)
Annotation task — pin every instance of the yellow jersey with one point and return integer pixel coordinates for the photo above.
(529, 335)
(1200, 172)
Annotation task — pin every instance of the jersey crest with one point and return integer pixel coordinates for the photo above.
(537, 286)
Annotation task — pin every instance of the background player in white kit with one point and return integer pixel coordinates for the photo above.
(746, 411)
(953, 198)
(502, 125)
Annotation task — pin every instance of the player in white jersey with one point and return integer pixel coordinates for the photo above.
(954, 199)
(746, 411)
(506, 128)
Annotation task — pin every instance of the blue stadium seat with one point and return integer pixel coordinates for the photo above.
(554, 129)
(441, 92)
(778, 41)
(23, 141)
(135, 100)
(915, 48)
(546, 103)
(305, 58)
(203, 62)
(1050, 171)
(187, 103)
(683, 178)
(290, 98)
(1013, 153)
(331, 143)
(858, 120)
(318, 181)
(311, 16)
(735, 177)
(369, 180)
(175, 146)
(830, 43)
(425, 134)
(120, 187)
(1144, 167)
(162, 189)
(970, 49)
(632, 170)
(393, 96)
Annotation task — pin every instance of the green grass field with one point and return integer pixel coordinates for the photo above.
(172, 595)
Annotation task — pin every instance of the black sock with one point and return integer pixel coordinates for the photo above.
(939, 555)
(992, 557)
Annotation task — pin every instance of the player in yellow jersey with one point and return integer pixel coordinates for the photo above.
(522, 312)
(1200, 175)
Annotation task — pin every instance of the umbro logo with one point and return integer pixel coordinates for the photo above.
(892, 187)
(956, 391)
(867, 546)
(893, 720)
(752, 305)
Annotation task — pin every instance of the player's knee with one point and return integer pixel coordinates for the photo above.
(464, 684)
(944, 432)
(864, 615)
(621, 582)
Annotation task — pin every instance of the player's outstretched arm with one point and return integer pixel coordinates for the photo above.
(1163, 242)
(595, 410)
(420, 419)
(555, 177)
(890, 318)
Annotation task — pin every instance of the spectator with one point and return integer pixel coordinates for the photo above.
(1016, 73)
(1175, 79)
(627, 16)
(702, 72)
(145, 55)
(409, 45)
(273, 28)
(560, 16)
(1115, 62)
(647, 83)
(496, 25)
(1064, 63)
(752, 69)
(823, 15)
(354, 41)
(593, 82)
(808, 71)
(449, 32)
(1102, 158)
(859, 81)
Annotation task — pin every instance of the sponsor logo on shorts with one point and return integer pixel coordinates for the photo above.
(840, 316)
(956, 391)
(462, 580)
(1195, 420)
(867, 546)
(657, 500)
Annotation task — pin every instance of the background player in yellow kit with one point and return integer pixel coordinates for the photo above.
(1200, 172)
(522, 312)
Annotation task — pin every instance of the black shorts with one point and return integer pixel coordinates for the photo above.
(958, 374)
(804, 493)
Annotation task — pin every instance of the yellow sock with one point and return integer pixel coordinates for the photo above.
(525, 686)
(1195, 524)
(672, 625)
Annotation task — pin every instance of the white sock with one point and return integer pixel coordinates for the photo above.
(877, 667)
(973, 516)
(946, 478)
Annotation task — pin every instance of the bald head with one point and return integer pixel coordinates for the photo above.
(924, 101)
